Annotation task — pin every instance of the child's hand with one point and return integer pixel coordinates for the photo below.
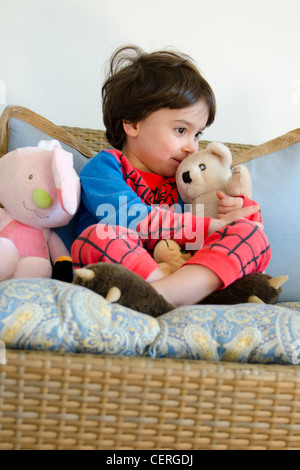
(217, 224)
(228, 203)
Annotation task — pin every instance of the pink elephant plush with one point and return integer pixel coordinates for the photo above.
(39, 190)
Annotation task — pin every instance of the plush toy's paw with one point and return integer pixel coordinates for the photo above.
(63, 269)
(256, 288)
(170, 256)
(117, 284)
(240, 182)
(9, 258)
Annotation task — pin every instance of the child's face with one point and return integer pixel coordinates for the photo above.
(160, 142)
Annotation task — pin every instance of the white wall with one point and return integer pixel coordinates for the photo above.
(53, 55)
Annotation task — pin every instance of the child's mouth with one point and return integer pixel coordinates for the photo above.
(177, 160)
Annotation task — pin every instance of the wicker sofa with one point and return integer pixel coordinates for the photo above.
(52, 400)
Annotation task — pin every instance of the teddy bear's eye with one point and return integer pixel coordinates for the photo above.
(202, 166)
(30, 177)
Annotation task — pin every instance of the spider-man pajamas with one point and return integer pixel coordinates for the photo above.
(125, 212)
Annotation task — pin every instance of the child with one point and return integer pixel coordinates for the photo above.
(155, 107)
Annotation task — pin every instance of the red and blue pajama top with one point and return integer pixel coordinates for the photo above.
(115, 193)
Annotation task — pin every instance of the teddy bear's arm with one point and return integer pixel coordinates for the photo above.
(240, 183)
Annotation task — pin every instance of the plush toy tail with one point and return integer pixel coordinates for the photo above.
(63, 269)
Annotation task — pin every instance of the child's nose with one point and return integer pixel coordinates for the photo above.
(190, 146)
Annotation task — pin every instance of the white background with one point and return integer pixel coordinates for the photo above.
(54, 53)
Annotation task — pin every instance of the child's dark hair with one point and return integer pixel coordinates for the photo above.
(141, 83)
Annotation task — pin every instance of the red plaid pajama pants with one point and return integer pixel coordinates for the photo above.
(237, 249)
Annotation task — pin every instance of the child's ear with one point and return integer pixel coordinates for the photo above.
(130, 128)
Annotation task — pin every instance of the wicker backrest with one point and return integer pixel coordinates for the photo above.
(87, 141)
(93, 138)
(96, 140)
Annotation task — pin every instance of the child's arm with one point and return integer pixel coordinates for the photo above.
(234, 214)
(233, 203)
(229, 203)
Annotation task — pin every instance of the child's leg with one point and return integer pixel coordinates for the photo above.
(188, 286)
(101, 243)
(238, 249)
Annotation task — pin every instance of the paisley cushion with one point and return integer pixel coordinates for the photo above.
(44, 314)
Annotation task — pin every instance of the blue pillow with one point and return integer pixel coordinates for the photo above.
(276, 187)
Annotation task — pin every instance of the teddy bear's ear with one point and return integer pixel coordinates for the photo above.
(222, 152)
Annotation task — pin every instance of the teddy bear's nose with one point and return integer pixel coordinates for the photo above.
(186, 177)
(41, 198)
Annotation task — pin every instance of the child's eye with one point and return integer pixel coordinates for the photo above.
(181, 130)
(197, 136)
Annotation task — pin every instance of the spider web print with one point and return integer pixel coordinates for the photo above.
(106, 243)
(164, 223)
(245, 242)
(167, 193)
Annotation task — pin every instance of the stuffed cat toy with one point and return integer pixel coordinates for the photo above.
(39, 191)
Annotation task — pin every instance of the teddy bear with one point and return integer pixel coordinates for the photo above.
(200, 175)
(118, 284)
(39, 191)
(170, 256)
